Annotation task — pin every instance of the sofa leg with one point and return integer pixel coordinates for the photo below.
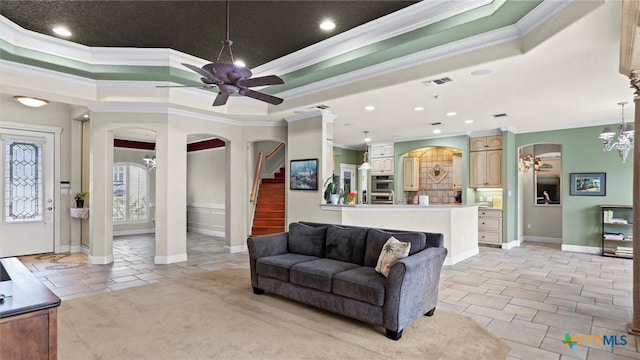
(257, 291)
(430, 312)
(394, 335)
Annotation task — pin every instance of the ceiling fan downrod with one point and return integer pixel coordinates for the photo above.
(226, 42)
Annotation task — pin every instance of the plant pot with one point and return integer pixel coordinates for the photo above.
(335, 198)
(79, 203)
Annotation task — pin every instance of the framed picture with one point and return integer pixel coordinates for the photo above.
(588, 184)
(304, 174)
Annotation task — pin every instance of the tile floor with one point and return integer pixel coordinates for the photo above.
(530, 296)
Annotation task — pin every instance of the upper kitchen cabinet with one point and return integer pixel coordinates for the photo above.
(381, 150)
(485, 162)
(486, 143)
(382, 161)
(411, 172)
(382, 166)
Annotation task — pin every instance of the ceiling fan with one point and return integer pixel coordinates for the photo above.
(230, 78)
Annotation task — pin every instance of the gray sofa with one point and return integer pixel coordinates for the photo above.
(333, 267)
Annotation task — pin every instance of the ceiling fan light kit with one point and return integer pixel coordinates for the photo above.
(232, 78)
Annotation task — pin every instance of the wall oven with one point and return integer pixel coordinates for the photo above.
(381, 189)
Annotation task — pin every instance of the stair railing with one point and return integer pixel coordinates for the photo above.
(256, 178)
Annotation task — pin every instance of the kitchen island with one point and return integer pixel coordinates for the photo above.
(458, 223)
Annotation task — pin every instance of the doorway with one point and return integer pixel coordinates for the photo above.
(27, 183)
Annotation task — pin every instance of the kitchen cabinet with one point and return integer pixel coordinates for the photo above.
(485, 165)
(382, 161)
(490, 226)
(381, 150)
(382, 166)
(411, 172)
(486, 143)
(457, 172)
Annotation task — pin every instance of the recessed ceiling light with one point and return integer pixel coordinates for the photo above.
(452, 113)
(62, 31)
(239, 63)
(327, 25)
(369, 107)
(437, 131)
(418, 108)
(85, 116)
(481, 72)
(29, 101)
(468, 121)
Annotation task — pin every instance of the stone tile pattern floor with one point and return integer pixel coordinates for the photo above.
(529, 296)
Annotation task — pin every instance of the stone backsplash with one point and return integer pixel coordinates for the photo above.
(438, 186)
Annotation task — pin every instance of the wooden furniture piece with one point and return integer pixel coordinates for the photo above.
(617, 230)
(485, 162)
(411, 171)
(490, 226)
(28, 319)
(382, 161)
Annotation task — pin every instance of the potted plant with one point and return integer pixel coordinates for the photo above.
(331, 191)
(80, 199)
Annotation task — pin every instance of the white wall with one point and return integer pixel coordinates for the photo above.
(206, 178)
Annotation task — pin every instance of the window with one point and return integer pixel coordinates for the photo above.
(130, 193)
(23, 180)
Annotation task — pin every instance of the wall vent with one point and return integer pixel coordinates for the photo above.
(440, 81)
(321, 107)
(499, 115)
(436, 123)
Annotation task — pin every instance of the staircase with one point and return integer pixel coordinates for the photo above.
(269, 214)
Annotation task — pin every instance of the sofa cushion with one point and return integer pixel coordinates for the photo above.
(392, 251)
(307, 240)
(362, 283)
(278, 266)
(318, 274)
(346, 244)
(376, 239)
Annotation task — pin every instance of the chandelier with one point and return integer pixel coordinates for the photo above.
(625, 137)
(150, 161)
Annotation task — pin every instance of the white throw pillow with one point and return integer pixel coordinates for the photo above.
(392, 251)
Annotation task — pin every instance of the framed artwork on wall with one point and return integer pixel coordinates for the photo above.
(304, 174)
(588, 184)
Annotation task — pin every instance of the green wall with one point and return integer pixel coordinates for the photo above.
(581, 153)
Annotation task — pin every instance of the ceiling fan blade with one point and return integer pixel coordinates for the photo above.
(261, 96)
(204, 73)
(260, 81)
(221, 99)
(206, 86)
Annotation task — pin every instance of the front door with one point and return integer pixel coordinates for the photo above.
(27, 185)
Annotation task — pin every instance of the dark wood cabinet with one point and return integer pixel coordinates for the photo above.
(28, 318)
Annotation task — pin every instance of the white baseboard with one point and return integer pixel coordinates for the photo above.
(543, 239)
(134, 232)
(582, 249)
(236, 249)
(205, 231)
(511, 244)
(451, 260)
(100, 260)
(170, 259)
(84, 249)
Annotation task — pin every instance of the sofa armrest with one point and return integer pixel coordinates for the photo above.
(265, 245)
(412, 287)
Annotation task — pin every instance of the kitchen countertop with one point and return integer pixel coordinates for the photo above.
(29, 294)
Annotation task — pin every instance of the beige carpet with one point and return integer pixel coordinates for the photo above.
(216, 316)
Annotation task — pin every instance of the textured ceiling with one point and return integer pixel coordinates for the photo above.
(261, 30)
